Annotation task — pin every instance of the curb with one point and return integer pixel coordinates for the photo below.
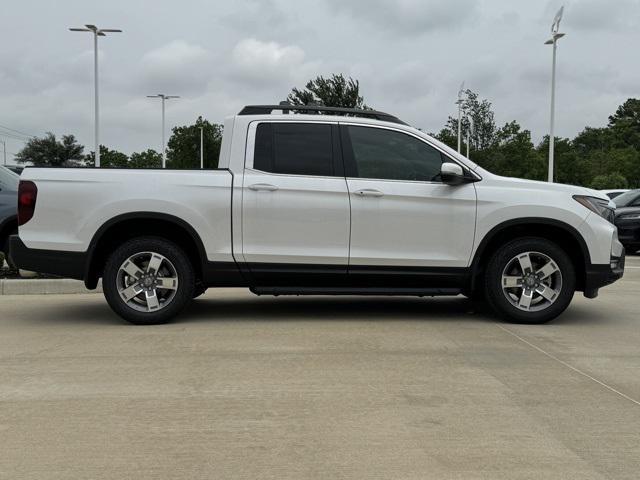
(44, 286)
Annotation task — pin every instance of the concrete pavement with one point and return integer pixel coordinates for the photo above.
(249, 387)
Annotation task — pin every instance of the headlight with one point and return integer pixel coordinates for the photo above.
(630, 216)
(598, 206)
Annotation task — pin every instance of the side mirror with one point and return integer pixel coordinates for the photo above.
(452, 174)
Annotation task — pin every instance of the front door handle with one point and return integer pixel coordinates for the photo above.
(265, 187)
(369, 192)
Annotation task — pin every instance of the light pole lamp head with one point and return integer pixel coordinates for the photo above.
(555, 26)
(101, 32)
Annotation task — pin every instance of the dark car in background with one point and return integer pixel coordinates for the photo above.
(627, 219)
(8, 207)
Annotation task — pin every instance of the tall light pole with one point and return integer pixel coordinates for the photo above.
(97, 32)
(4, 150)
(201, 148)
(555, 36)
(469, 128)
(459, 102)
(163, 97)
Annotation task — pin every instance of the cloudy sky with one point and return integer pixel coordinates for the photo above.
(409, 55)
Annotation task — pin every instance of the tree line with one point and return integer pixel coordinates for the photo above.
(598, 157)
(183, 150)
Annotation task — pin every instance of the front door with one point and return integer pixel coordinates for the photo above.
(402, 215)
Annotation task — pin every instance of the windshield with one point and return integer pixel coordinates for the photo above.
(8, 180)
(627, 199)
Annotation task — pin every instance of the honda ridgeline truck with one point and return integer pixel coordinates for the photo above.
(319, 201)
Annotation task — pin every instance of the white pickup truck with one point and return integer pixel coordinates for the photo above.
(319, 201)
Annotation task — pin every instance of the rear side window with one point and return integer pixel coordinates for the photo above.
(294, 149)
(391, 155)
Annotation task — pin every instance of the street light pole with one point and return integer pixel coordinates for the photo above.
(555, 36)
(469, 128)
(4, 150)
(163, 97)
(97, 32)
(201, 148)
(459, 102)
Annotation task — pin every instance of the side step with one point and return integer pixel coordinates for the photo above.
(415, 292)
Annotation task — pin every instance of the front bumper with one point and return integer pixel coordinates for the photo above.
(52, 262)
(598, 276)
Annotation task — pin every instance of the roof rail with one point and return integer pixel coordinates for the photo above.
(350, 112)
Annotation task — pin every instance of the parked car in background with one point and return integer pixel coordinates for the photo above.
(357, 203)
(614, 193)
(15, 169)
(8, 207)
(628, 219)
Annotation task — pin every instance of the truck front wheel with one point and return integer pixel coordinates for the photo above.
(530, 280)
(148, 280)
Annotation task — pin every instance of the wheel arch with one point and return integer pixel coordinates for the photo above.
(130, 225)
(561, 233)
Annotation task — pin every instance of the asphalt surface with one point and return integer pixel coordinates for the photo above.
(327, 388)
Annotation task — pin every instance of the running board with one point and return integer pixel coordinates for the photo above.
(415, 292)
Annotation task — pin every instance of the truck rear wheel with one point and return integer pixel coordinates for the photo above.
(148, 280)
(530, 280)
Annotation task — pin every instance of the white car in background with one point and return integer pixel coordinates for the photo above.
(324, 201)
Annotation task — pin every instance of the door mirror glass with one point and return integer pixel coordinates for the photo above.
(452, 173)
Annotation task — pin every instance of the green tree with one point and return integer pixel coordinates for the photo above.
(108, 158)
(50, 152)
(447, 137)
(611, 180)
(625, 124)
(569, 166)
(336, 91)
(482, 128)
(183, 149)
(147, 159)
(514, 154)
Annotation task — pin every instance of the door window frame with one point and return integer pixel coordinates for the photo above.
(337, 153)
(349, 159)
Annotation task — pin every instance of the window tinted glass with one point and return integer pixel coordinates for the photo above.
(391, 155)
(296, 149)
(627, 199)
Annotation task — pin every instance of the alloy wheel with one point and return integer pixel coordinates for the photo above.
(531, 281)
(147, 282)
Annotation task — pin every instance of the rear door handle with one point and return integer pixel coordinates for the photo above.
(265, 187)
(369, 192)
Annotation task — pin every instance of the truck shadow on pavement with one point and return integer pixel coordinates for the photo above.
(292, 309)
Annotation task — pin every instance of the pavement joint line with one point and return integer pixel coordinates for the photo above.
(562, 362)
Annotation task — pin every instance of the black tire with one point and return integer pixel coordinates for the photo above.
(5, 249)
(503, 302)
(184, 273)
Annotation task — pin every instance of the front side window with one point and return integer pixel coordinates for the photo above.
(391, 155)
(294, 149)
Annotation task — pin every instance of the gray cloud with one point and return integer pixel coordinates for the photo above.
(409, 16)
(598, 15)
(409, 55)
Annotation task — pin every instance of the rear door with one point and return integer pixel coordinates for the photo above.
(402, 215)
(295, 204)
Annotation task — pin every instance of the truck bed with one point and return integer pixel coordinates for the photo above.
(73, 204)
